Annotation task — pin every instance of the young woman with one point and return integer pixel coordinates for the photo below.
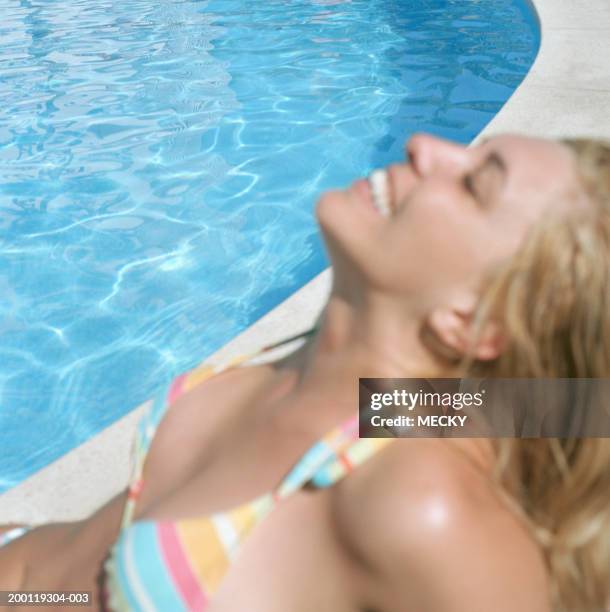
(494, 259)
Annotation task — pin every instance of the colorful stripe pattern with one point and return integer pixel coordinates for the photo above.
(162, 565)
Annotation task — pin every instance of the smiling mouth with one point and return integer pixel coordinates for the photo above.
(380, 191)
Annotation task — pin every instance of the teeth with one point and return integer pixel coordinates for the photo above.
(379, 188)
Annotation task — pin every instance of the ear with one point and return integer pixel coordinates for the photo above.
(454, 333)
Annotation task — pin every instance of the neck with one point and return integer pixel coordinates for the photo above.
(351, 342)
(356, 340)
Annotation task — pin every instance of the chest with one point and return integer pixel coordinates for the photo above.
(187, 448)
(205, 460)
(295, 560)
(220, 447)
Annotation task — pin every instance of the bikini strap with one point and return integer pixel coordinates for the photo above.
(331, 458)
(165, 397)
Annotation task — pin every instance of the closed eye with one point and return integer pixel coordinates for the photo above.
(485, 182)
(468, 184)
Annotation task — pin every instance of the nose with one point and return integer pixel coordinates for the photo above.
(429, 154)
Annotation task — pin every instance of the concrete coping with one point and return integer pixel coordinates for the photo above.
(566, 93)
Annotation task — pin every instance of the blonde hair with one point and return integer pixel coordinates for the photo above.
(553, 302)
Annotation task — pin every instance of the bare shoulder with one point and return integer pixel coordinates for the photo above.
(431, 531)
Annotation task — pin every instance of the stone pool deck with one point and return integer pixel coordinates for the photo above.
(566, 93)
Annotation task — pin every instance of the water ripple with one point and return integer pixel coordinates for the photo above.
(160, 163)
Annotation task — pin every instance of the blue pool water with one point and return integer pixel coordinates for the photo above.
(160, 161)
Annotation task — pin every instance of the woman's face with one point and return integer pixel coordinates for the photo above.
(457, 212)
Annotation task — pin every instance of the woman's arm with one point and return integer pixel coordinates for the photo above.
(47, 556)
(434, 540)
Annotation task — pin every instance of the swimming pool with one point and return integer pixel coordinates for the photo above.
(160, 163)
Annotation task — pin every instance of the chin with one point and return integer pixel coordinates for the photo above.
(353, 232)
(324, 208)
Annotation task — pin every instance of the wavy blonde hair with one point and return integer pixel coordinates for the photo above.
(553, 302)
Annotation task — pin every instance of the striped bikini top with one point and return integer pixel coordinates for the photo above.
(178, 565)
